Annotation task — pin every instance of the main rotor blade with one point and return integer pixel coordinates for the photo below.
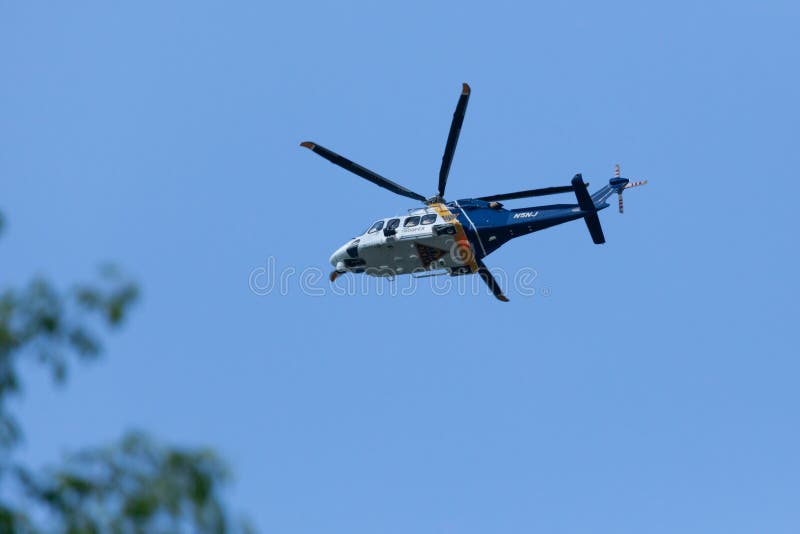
(363, 172)
(452, 138)
(530, 193)
(487, 277)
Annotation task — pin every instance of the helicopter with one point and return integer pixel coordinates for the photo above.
(452, 238)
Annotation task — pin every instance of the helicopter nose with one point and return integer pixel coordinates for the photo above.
(338, 256)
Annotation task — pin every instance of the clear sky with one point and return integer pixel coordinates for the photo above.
(650, 384)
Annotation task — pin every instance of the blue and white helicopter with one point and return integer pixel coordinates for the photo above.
(454, 237)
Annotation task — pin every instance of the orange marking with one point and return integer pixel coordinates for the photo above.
(461, 241)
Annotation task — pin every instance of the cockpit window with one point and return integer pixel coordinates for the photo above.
(428, 219)
(375, 227)
(393, 224)
(411, 221)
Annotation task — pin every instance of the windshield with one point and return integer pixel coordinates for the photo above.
(375, 227)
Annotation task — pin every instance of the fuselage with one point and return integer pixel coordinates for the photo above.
(451, 237)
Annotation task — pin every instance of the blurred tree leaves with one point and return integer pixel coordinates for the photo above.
(41, 323)
(136, 485)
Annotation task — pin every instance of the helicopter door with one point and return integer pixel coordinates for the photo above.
(391, 228)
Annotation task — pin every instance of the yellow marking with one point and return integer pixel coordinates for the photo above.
(461, 236)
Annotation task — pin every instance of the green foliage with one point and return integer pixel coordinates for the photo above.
(133, 486)
(38, 321)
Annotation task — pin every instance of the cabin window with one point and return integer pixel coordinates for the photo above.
(428, 219)
(375, 227)
(411, 221)
(393, 224)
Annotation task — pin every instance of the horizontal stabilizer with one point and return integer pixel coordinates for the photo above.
(586, 204)
(593, 224)
(584, 198)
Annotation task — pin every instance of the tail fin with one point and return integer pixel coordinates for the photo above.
(590, 204)
(587, 205)
(615, 185)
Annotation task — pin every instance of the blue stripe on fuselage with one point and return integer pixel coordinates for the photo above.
(489, 228)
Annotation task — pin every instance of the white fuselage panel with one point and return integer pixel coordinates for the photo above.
(411, 249)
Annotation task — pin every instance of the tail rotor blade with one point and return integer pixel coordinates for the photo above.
(628, 186)
(635, 184)
(452, 138)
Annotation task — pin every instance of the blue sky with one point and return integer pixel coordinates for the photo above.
(652, 390)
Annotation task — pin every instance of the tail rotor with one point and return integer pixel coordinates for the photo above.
(627, 186)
